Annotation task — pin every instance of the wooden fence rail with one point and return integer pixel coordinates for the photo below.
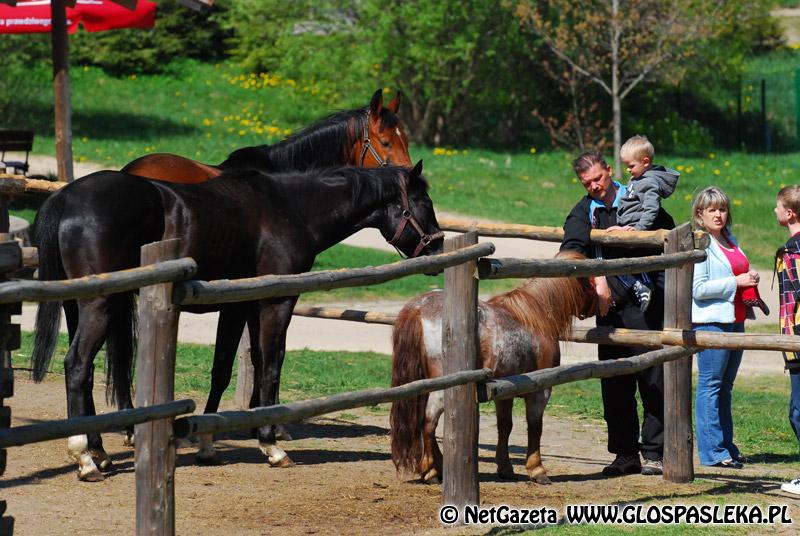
(97, 285)
(268, 286)
(556, 234)
(226, 421)
(541, 379)
(603, 335)
(507, 268)
(108, 422)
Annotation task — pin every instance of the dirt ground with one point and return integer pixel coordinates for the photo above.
(343, 481)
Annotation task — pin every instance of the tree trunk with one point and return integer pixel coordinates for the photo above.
(616, 101)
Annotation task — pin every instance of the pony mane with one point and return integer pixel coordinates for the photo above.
(318, 145)
(545, 306)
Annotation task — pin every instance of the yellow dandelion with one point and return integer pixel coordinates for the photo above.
(687, 197)
(711, 156)
(207, 122)
(726, 163)
(737, 202)
(574, 180)
(769, 182)
(242, 132)
(717, 171)
(679, 168)
(533, 150)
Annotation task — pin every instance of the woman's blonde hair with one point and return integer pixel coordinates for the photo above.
(712, 196)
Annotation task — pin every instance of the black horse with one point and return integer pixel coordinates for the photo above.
(241, 224)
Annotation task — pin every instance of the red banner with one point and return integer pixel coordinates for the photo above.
(94, 15)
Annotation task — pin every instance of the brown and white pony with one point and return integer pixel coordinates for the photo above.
(519, 332)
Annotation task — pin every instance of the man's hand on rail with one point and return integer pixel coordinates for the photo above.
(604, 300)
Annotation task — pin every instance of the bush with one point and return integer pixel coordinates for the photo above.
(179, 32)
(673, 134)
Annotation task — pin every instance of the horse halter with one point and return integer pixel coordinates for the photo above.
(367, 146)
(408, 217)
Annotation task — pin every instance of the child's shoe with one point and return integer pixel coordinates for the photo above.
(643, 294)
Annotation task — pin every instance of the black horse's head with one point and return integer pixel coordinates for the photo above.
(410, 223)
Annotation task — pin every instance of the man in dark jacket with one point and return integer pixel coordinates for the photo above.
(598, 210)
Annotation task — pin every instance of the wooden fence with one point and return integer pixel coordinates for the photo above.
(160, 306)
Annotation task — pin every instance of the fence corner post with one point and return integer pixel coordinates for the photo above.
(678, 439)
(10, 259)
(460, 347)
(155, 372)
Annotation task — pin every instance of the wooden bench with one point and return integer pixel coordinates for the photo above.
(18, 141)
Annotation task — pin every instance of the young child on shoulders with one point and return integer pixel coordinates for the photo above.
(640, 203)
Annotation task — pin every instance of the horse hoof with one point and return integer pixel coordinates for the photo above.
(207, 460)
(283, 462)
(431, 477)
(92, 475)
(129, 442)
(541, 479)
(506, 474)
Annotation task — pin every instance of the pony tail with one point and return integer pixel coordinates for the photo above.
(407, 416)
(120, 349)
(48, 315)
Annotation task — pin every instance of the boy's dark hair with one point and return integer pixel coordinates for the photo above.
(789, 196)
(586, 160)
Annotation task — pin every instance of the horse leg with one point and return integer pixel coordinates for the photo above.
(90, 332)
(273, 322)
(534, 412)
(229, 330)
(431, 466)
(504, 424)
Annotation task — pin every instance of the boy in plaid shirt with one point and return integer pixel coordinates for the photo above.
(787, 210)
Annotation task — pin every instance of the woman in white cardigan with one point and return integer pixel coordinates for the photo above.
(717, 305)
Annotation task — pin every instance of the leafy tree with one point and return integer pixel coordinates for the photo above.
(617, 45)
(464, 66)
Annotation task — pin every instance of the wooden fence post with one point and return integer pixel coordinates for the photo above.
(10, 259)
(244, 372)
(155, 384)
(460, 346)
(678, 440)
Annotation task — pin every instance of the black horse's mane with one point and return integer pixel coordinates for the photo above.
(319, 145)
(375, 182)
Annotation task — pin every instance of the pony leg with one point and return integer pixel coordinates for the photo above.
(534, 412)
(504, 425)
(273, 323)
(229, 330)
(432, 463)
(87, 450)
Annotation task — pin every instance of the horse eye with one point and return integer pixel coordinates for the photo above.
(385, 143)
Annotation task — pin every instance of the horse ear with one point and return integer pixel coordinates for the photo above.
(416, 172)
(394, 104)
(376, 103)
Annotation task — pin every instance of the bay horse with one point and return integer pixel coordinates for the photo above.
(371, 136)
(518, 333)
(243, 223)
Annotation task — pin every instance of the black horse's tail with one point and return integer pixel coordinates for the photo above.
(48, 316)
(407, 416)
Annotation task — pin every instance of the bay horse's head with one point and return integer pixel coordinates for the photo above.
(382, 140)
(410, 223)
